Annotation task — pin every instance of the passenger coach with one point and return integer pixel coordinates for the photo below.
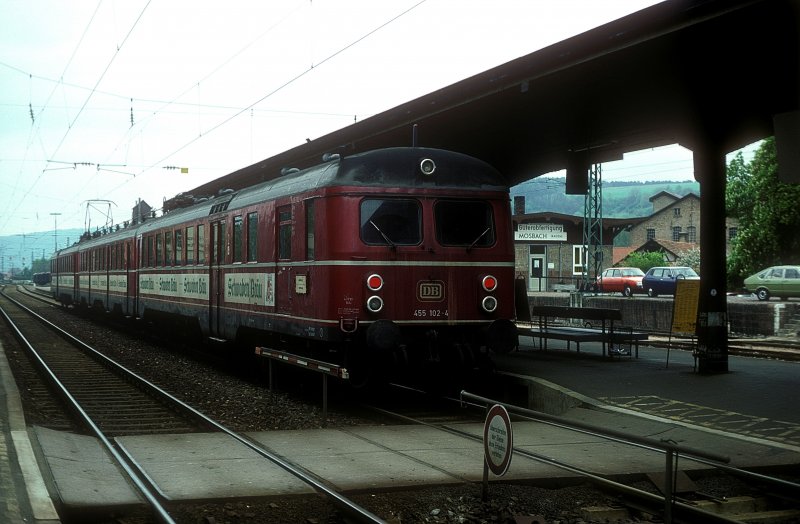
(393, 256)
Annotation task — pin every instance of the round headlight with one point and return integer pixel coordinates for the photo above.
(374, 303)
(489, 304)
(427, 166)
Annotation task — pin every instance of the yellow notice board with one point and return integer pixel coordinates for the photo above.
(684, 308)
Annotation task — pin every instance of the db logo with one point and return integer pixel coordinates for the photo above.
(430, 291)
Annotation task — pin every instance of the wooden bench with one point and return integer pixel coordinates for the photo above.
(545, 329)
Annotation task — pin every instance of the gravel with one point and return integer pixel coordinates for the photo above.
(246, 404)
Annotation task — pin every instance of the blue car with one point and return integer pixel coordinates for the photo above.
(662, 280)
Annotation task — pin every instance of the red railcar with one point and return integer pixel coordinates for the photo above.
(400, 255)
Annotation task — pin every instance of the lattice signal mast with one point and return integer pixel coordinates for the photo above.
(593, 227)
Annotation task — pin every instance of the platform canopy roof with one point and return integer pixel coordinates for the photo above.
(682, 71)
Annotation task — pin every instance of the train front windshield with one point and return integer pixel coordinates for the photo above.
(464, 223)
(391, 221)
(398, 222)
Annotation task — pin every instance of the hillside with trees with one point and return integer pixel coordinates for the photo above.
(620, 199)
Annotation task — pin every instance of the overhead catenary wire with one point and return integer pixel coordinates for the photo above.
(76, 115)
(88, 98)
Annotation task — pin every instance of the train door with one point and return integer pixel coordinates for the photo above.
(127, 263)
(283, 278)
(216, 277)
(140, 261)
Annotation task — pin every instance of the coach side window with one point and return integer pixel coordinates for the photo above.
(252, 237)
(285, 233)
(190, 245)
(201, 244)
(238, 231)
(310, 229)
(149, 259)
(178, 247)
(168, 248)
(159, 249)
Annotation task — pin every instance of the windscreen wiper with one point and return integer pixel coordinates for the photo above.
(386, 238)
(478, 239)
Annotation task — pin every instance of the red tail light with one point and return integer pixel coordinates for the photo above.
(489, 283)
(374, 282)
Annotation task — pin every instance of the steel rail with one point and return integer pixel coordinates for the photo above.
(140, 484)
(350, 507)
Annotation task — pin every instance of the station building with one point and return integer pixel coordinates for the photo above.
(550, 253)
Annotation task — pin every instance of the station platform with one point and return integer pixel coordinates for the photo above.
(747, 415)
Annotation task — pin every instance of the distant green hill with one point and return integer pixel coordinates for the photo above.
(620, 199)
(16, 250)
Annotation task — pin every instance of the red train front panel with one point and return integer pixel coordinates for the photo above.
(422, 275)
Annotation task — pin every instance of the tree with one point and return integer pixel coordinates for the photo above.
(691, 258)
(768, 214)
(644, 261)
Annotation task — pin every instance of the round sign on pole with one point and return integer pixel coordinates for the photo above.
(498, 440)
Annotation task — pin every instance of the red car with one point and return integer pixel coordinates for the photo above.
(625, 280)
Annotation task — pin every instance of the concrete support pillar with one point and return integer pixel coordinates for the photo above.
(712, 321)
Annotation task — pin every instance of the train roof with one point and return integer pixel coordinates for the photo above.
(452, 170)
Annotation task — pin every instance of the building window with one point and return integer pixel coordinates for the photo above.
(691, 234)
(732, 232)
(676, 233)
(676, 211)
(578, 256)
(651, 233)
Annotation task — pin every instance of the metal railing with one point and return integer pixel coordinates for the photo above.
(670, 449)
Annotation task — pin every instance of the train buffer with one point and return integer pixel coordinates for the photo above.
(597, 325)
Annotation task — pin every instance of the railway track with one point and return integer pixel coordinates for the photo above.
(109, 400)
(766, 497)
(118, 401)
(436, 413)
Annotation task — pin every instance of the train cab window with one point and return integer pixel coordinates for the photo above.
(285, 233)
(178, 247)
(390, 221)
(190, 258)
(201, 244)
(238, 232)
(252, 237)
(168, 248)
(466, 223)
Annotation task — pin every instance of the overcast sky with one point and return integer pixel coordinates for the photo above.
(99, 100)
